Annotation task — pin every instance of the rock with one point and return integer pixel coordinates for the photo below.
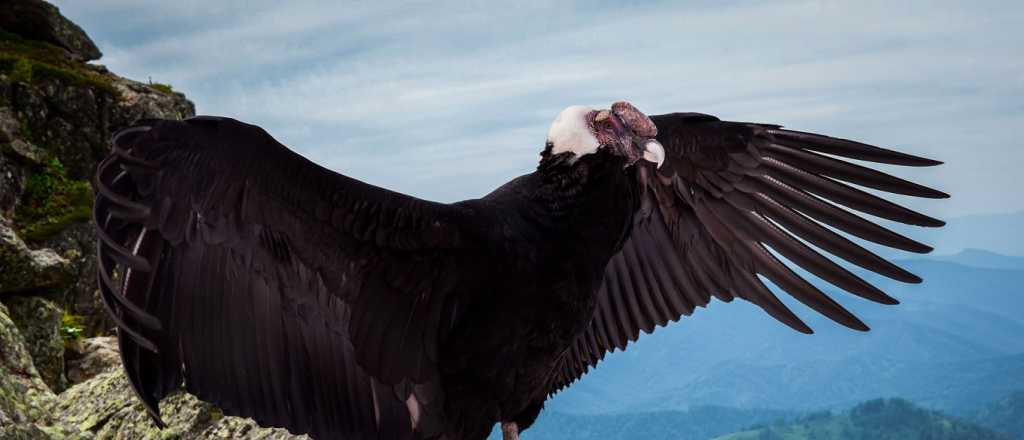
(24, 397)
(23, 269)
(38, 20)
(68, 114)
(138, 101)
(74, 121)
(88, 358)
(104, 407)
(39, 321)
(13, 175)
(24, 432)
(77, 243)
(234, 427)
(26, 151)
(68, 120)
(12, 172)
(10, 128)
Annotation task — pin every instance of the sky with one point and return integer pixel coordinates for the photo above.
(447, 101)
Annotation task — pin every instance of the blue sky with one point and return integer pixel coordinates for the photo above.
(448, 101)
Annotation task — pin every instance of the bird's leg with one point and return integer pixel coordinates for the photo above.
(509, 431)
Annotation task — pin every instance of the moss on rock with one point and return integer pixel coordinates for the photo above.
(41, 21)
(51, 202)
(32, 61)
(165, 88)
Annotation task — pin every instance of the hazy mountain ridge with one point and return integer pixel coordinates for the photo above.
(997, 233)
(877, 418)
(983, 259)
(698, 423)
(880, 419)
(952, 344)
(1005, 415)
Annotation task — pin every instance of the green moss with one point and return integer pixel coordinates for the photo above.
(51, 202)
(71, 327)
(24, 128)
(33, 61)
(216, 414)
(164, 88)
(38, 50)
(52, 431)
(21, 70)
(32, 71)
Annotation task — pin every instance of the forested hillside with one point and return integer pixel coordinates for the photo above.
(881, 419)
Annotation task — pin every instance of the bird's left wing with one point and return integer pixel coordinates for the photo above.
(271, 286)
(726, 193)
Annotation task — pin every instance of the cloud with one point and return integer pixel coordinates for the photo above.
(448, 101)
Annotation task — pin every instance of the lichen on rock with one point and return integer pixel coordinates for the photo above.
(104, 407)
(24, 396)
(77, 243)
(26, 270)
(25, 432)
(39, 320)
(57, 114)
(88, 358)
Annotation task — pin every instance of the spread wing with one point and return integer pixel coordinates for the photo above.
(726, 194)
(270, 286)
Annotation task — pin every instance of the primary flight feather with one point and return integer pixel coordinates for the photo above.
(305, 299)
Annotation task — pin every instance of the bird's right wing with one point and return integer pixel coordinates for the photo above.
(728, 192)
(273, 287)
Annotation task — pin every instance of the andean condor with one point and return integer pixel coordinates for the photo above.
(302, 298)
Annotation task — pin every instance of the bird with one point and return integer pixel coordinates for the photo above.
(288, 293)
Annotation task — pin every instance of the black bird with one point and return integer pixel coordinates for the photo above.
(282, 291)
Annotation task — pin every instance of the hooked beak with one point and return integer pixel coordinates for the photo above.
(653, 151)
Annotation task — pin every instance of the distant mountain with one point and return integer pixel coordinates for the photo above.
(984, 259)
(953, 344)
(956, 387)
(881, 419)
(999, 233)
(1005, 415)
(696, 424)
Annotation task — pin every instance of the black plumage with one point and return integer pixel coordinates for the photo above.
(302, 298)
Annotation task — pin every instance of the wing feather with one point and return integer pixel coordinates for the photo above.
(846, 195)
(255, 278)
(831, 214)
(853, 173)
(728, 197)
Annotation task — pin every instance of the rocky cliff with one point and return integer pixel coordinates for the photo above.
(60, 375)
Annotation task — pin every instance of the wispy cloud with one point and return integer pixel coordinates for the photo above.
(447, 101)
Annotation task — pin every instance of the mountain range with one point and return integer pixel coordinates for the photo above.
(878, 419)
(875, 419)
(953, 344)
(997, 233)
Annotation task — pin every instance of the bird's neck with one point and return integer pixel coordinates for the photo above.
(592, 201)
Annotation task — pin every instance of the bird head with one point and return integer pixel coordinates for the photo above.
(622, 130)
